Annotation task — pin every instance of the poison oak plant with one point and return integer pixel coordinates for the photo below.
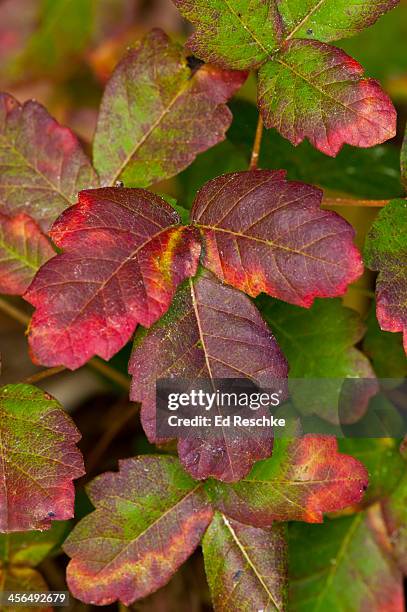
(102, 259)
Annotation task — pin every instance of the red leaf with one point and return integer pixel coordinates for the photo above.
(38, 459)
(157, 113)
(303, 479)
(23, 250)
(316, 91)
(43, 164)
(266, 234)
(149, 518)
(212, 331)
(123, 259)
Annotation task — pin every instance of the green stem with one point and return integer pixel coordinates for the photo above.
(328, 201)
(257, 144)
(44, 374)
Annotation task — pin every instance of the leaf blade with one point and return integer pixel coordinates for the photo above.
(246, 566)
(386, 252)
(304, 478)
(252, 226)
(23, 250)
(239, 34)
(329, 106)
(353, 544)
(43, 163)
(157, 115)
(85, 308)
(34, 492)
(150, 516)
(319, 344)
(329, 20)
(212, 332)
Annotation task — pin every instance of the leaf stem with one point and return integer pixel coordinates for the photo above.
(44, 374)
(122, 417)
(13, 312)
(352, 202)
(257, 144)
(96, 364)
(114, 375)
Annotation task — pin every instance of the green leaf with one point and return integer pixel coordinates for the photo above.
(235, 34)
(316, 91)
(149, 518)
(304, 478)
(384, 349)
(383, 461)
(244, 33)
(395, 515)
(328, 20)
(385, 60)
(246, 566)
(386, 252)
(382, 418)
(38, 459)
(341, 565)
(157, 113)
(307, 89)
(319, 344)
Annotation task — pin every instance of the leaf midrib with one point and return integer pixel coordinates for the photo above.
(246, 27)
(52, 187)
(15, 255)
(249, 561)
(305, 19)
(148, 133)
(206, 353)
(267, 243)
(338, 558)
(150, 526)
(325, 94)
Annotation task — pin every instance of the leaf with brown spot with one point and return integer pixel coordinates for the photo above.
(246, 566)
(38, 459)
(157, 114)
